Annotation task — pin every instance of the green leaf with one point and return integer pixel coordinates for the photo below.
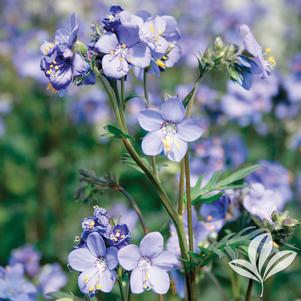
(130, 97)
(117, 132)
(188, 97)
(208, 199)
(238, 175)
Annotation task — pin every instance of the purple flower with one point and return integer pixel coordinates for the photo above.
(261, 202)
(51, 279)
(121, 51)
(157, 32)
(29, 257)
(215, 213)
(252, 46)
(119, 236)
(149, 264)
(60, 64)
(13, 285)
(169, 130)
(96, 264)
(276, 178)
(112, 20)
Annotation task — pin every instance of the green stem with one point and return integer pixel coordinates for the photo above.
(121, 290)
(167, 204)
(188, 201)
(181, 190)
(249, 290)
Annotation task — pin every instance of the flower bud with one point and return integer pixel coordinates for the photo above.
(218, 44)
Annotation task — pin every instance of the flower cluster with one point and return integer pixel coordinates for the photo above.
(24, 279)
(62, 64)
(104, 246)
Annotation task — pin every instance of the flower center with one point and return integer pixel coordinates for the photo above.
(169, 129)
(101, 264)
(144, 265)
(121, 51)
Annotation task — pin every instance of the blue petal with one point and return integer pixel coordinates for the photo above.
(189, 131)
(96, 245)
(111, 258)
(107, 280)
(152, 143)
(173, 110)
(107, 43)
(139, 55)
(151, 245)
(81, 259)
(114, 66)
(128, 35)
(129, 257)
(136, 281)
(178, 150)
(159, 280)
(150, 120)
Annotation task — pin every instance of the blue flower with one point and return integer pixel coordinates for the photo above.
(261, 202)
(169, 130)
(51, 278)
(13, 285)
(157, 32)
(119, 236)
(149, 264)
(121, 51)
(29, 257)
(61, 64)
(112, 21)
(216, 212)
(252, 47)
(97, 265)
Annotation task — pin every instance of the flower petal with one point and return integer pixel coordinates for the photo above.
(151, 245)
(173, 110)
(189, 131)
(107, 280)
(178, 149)
(136, 281)
(107, 42)
(81, 259)
(87, 280)
(114, 66)
(152, 143)
(111, 258)
(139, 55)
(159, 280)
(96, 245)
(150, 120)
(165, 261)
(129, 257)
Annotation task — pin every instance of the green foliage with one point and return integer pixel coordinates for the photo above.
(218, 183)
(117, 132)
(230, 245)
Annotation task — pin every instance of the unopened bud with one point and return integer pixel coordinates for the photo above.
(218, 44)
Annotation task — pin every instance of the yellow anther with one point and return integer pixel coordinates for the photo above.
(98, 286)
(112, 52)
(111, 17)
(48, 72)
(167, 143)
(146, 275)
(122, 236)
(56, 67)
(272, 60)
(91, 224)
(268, 50)
(51, 66)
(91, 289)
(123, 46)
(152, 28)
(209, 218)
(164, 57)
(160, 63)
(86, 279)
